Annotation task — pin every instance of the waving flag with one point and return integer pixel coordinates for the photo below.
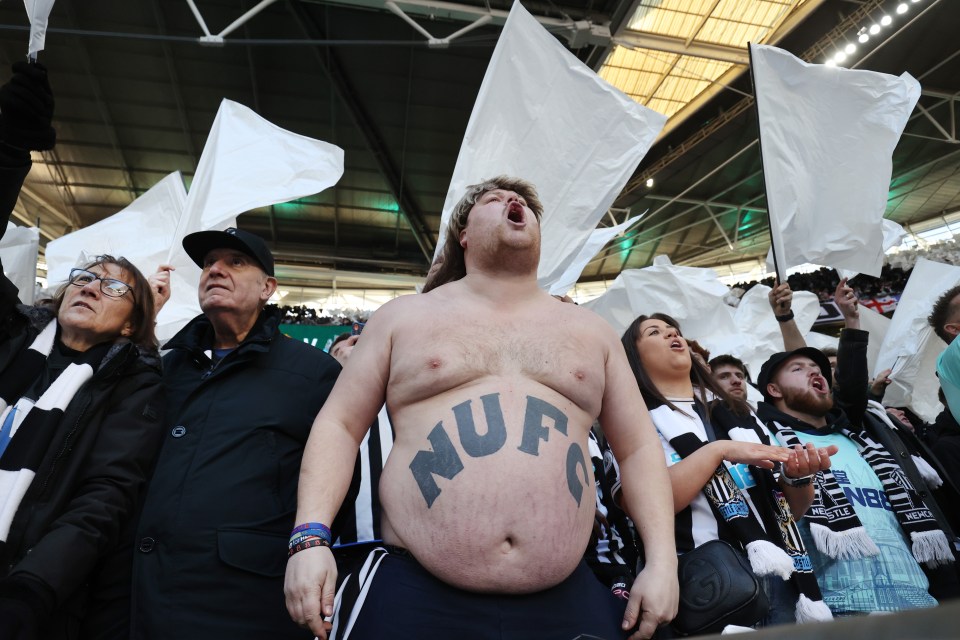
(827, 135)
(249, 162)
(38, 12)
(910, 346)
(544, 116)
(18, 252)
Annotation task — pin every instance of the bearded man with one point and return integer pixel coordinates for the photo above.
(876, 537)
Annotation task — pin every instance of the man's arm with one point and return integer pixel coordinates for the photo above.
(781, 301)
(327, 466)
(646, 494)
(26, 112)
(850, 387)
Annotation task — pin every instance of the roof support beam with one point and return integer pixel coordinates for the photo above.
(48, 207)
(670, 44)
(711, 202)
(594, 30)
(329, 62)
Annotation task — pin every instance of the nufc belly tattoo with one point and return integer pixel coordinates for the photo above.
(445, 462)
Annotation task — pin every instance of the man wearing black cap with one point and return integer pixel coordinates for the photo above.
(212, 538)
(873, 531)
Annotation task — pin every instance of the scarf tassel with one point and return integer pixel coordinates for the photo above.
(812, 610)
(843, 545)
(767, 559)
(928, 473)
(932, 548)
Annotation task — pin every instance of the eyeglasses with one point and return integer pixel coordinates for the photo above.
(108, 286)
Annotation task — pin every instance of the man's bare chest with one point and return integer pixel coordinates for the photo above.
(447, 355)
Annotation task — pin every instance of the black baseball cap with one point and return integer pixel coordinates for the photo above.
(199, 244)
(773, 364)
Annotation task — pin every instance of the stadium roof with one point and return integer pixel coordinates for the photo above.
(137, 87)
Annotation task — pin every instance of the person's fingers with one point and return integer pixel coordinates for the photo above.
(327, 594)
(800, 463)
(825, 453)
(294, 609)
(632, 610)
(648, 625)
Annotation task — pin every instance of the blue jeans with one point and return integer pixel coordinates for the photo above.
(783, 597)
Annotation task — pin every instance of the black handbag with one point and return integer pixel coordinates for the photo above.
(717, 588)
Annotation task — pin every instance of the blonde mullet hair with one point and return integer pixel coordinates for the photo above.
(454, 266)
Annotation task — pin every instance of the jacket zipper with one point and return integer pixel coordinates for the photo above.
(67, 441)
(65, 448)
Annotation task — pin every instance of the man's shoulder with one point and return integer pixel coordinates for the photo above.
(300, 353)
(583, 319)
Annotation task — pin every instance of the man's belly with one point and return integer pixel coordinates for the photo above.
(491, 489)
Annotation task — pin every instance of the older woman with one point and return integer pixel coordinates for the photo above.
(79, 428)
(722, 469)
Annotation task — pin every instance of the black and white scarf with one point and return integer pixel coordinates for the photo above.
(32, 424)
(834, 525)
(759, 518)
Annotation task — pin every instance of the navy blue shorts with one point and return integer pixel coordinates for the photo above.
(393, 596)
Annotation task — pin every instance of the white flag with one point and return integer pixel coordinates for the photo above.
(827, 135)
(544, 116)
(910, 346)
(38, 12)
(249, 162)
(142, 233)
(18, 252)
(692, 296)
(597, 240)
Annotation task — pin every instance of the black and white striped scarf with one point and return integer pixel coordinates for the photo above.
(358, 521)
(834, 525)
(32, 422)
(759, 518)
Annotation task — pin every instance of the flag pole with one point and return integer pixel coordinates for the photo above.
(756, 109)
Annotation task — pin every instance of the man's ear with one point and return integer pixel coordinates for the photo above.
(952, 328)
(463, 238)
(269, 286)
(774, 391)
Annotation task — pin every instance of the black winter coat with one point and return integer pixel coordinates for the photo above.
(89, 482)
(212, 539)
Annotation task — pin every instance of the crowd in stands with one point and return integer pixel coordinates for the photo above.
(893, 278)
(151, 499)
(304, 315)
(823, 282)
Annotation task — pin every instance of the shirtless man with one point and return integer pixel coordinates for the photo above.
(492, 386)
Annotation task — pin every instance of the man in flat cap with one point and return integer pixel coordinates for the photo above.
(211, 544)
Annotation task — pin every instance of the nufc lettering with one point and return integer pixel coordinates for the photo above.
(538, 420)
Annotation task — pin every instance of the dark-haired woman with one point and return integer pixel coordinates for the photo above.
(79, 428)
(80, 413)
(728, 482)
